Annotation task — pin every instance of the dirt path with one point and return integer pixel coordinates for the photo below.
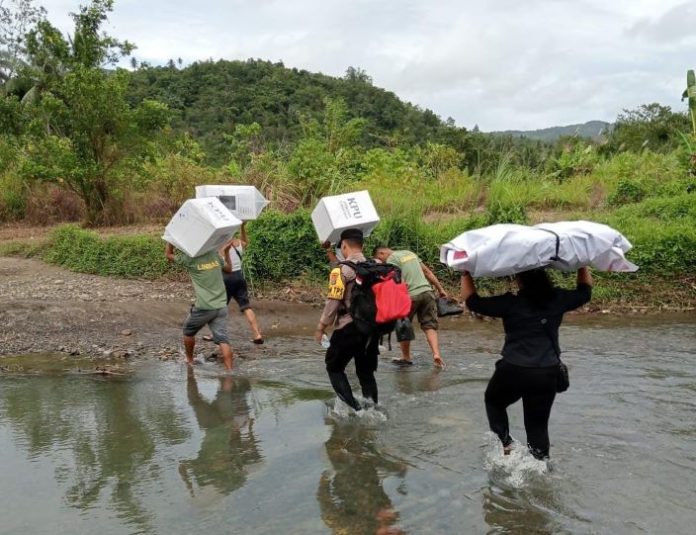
(44, 308)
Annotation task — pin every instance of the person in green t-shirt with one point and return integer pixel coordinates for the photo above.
(210, 307)
(418, 277)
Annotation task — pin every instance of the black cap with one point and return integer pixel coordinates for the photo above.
(351, 234)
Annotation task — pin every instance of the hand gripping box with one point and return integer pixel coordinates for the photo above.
(201, 225)
(245, 202)
(335, 214)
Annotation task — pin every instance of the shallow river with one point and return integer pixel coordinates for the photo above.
(267, 450)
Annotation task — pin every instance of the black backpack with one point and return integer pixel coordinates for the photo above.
(363, 301)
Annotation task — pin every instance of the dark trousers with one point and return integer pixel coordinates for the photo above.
(346, 344)
(537, 388)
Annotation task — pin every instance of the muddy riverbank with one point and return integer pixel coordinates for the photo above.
(47, 309)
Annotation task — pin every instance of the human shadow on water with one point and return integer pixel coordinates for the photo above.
(229, 449)
(352, 497)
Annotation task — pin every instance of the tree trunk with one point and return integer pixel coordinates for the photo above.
(95, 202)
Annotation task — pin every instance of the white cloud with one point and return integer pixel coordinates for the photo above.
(503, 64)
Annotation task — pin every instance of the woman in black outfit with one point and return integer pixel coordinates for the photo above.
(529, 367)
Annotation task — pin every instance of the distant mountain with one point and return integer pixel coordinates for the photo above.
(591, 130)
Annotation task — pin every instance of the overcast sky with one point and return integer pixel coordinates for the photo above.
(501, 64)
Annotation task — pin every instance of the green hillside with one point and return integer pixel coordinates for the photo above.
(211, 98)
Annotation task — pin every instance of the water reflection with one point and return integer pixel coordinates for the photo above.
(352, 496)
(412, 381)
(101, 437)
(510, 511)
(229, 449)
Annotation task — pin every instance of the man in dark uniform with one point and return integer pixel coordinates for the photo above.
(346, 341)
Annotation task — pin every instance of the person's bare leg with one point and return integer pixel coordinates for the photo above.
(251, 318)
(405, 350)
(189, 344)
(434, 343)
(227, 355)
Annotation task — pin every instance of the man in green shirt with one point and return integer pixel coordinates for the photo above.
(418, 278)
(210, 307)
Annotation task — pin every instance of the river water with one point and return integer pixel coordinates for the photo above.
(269, 451)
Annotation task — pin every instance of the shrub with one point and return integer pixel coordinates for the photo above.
(627, 191)
(284, 246)
(13, 198)
(123, 256)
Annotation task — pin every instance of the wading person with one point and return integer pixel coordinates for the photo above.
(235, 283)
(210, 307)
(347, 342)
(529, 367)
(418, 277)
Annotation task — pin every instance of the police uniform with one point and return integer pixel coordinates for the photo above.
(346, 341)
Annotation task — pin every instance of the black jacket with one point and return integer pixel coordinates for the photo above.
(531, 331)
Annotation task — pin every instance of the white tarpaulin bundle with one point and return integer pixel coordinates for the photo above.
(501, 250)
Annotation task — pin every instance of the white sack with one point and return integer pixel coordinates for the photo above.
(501, 250)
(201, 225)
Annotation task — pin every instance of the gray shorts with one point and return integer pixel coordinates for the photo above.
(215, 319)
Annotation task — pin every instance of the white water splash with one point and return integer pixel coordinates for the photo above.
(518, 469)
(370, 413)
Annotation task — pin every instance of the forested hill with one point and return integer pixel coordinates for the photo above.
(211, 98)
(590, 130)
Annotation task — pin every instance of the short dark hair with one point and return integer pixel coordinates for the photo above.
(536, 285)
(353, 242)
(377, 249)
(352, 236)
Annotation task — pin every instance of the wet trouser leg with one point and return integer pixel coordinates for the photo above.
(537, 401)
(338, 355)
(341, 386)
(365, 367)
(501, 392)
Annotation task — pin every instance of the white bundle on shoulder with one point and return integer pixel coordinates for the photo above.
(506, 249)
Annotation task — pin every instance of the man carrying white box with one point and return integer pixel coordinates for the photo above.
(210, 307)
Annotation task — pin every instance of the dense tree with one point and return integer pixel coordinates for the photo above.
(79, 129)
(212, 98)
(650, 126)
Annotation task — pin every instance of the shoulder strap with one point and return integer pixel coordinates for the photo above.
(239, 253)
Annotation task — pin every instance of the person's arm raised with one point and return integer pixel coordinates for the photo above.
(169, 253)
(333, 259)
(243, 237)
(585, 276)
(468, 288)
(227, 267)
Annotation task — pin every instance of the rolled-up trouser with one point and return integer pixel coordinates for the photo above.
(537, 388)
(216, 320)
(348, 343)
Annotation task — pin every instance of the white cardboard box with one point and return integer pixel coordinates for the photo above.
(245, 202)
(201, 225)
(333, 215)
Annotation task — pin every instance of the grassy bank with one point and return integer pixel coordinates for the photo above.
(284, 251)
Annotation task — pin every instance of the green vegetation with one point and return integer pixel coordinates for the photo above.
(81, 140)
(120, 256)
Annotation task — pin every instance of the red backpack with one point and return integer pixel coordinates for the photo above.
(379, 297)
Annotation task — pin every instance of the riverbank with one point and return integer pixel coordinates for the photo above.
(49, 309)
(44, 308)
(284, 262)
